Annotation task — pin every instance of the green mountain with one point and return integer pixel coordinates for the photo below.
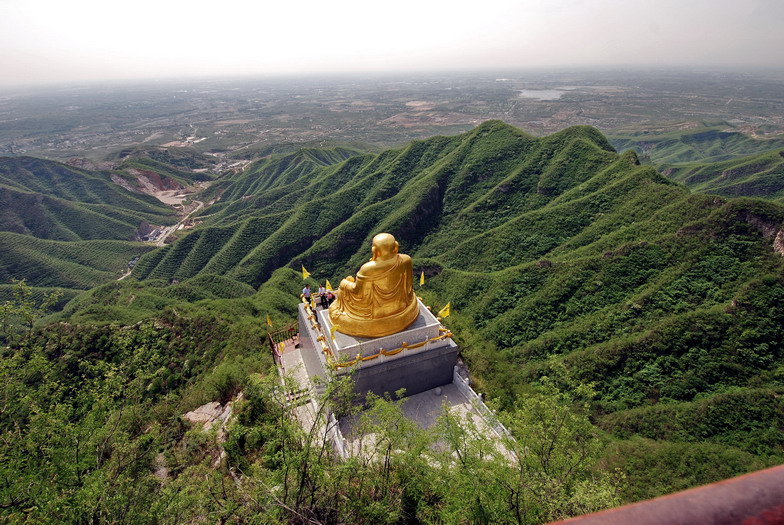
(702, 145)
(146, 170)
(235, 191)
(51, 200)
(651, 317)
(324, 210)
(710, 160)
(59, 180)
(77, 264)
(66, 227)
(753, 176)
(184, 163)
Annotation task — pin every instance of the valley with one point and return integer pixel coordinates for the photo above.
(611, 245)
(184, 222)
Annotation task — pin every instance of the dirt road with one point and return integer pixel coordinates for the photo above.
(171, 229)
(168, 230)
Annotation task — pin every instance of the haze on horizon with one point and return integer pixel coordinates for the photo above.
(51, 41)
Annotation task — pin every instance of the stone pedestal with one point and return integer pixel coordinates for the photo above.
(412, 369)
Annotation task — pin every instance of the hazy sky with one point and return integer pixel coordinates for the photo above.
(45, 41)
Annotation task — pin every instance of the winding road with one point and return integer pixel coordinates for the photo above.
(161, 240)
(165, 232)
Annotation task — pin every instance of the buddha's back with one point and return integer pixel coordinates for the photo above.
(381, 301)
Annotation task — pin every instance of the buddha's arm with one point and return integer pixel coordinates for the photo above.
(347, 284)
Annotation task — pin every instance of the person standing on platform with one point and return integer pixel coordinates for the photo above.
(306, 293)
(323, 296)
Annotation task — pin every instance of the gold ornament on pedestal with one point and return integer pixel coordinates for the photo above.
(381, 300)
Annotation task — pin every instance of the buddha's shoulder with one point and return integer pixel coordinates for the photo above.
(371, 268)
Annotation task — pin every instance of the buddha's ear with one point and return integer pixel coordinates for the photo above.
(397, 246)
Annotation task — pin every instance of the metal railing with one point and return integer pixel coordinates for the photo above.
(281, 335)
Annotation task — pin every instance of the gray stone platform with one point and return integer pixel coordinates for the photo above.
(414, 370)
(428, 375)
(347, 347)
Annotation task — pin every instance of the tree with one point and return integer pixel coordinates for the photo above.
(18, 316)
(544, 469)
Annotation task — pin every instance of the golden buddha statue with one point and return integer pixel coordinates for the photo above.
(381, 300)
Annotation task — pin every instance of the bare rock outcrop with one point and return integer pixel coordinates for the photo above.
(209, 414)
(123, 183)
(769, 230)
(778, 242)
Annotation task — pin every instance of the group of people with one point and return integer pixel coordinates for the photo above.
(325, 296)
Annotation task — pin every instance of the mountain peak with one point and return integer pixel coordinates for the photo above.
(496, 126)
(587, 133)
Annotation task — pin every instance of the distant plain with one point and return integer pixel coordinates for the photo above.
(248, 118)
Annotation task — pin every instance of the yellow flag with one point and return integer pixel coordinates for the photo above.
(305, 273)
(422, 279)
(329, 286)
(269, 321)
(444, 312)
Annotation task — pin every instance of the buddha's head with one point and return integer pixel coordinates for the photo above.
(384, 246)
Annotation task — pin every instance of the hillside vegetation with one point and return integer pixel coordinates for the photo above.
(546, 247)
(147, 170)
(646, 319)
(753, 176)
(50, 200)
(56, 187)
(326, 210)
(67, 227)
(78, 265)
(702, 145)
(711, 160)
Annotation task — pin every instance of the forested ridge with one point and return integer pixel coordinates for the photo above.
(752, 176)
(714, 160)
(50, 200)
(585, 288)
(67, 227)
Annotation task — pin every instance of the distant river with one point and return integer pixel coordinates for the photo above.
(541, 94)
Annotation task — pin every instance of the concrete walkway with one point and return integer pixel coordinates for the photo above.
(301, 393)
(424, 409)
